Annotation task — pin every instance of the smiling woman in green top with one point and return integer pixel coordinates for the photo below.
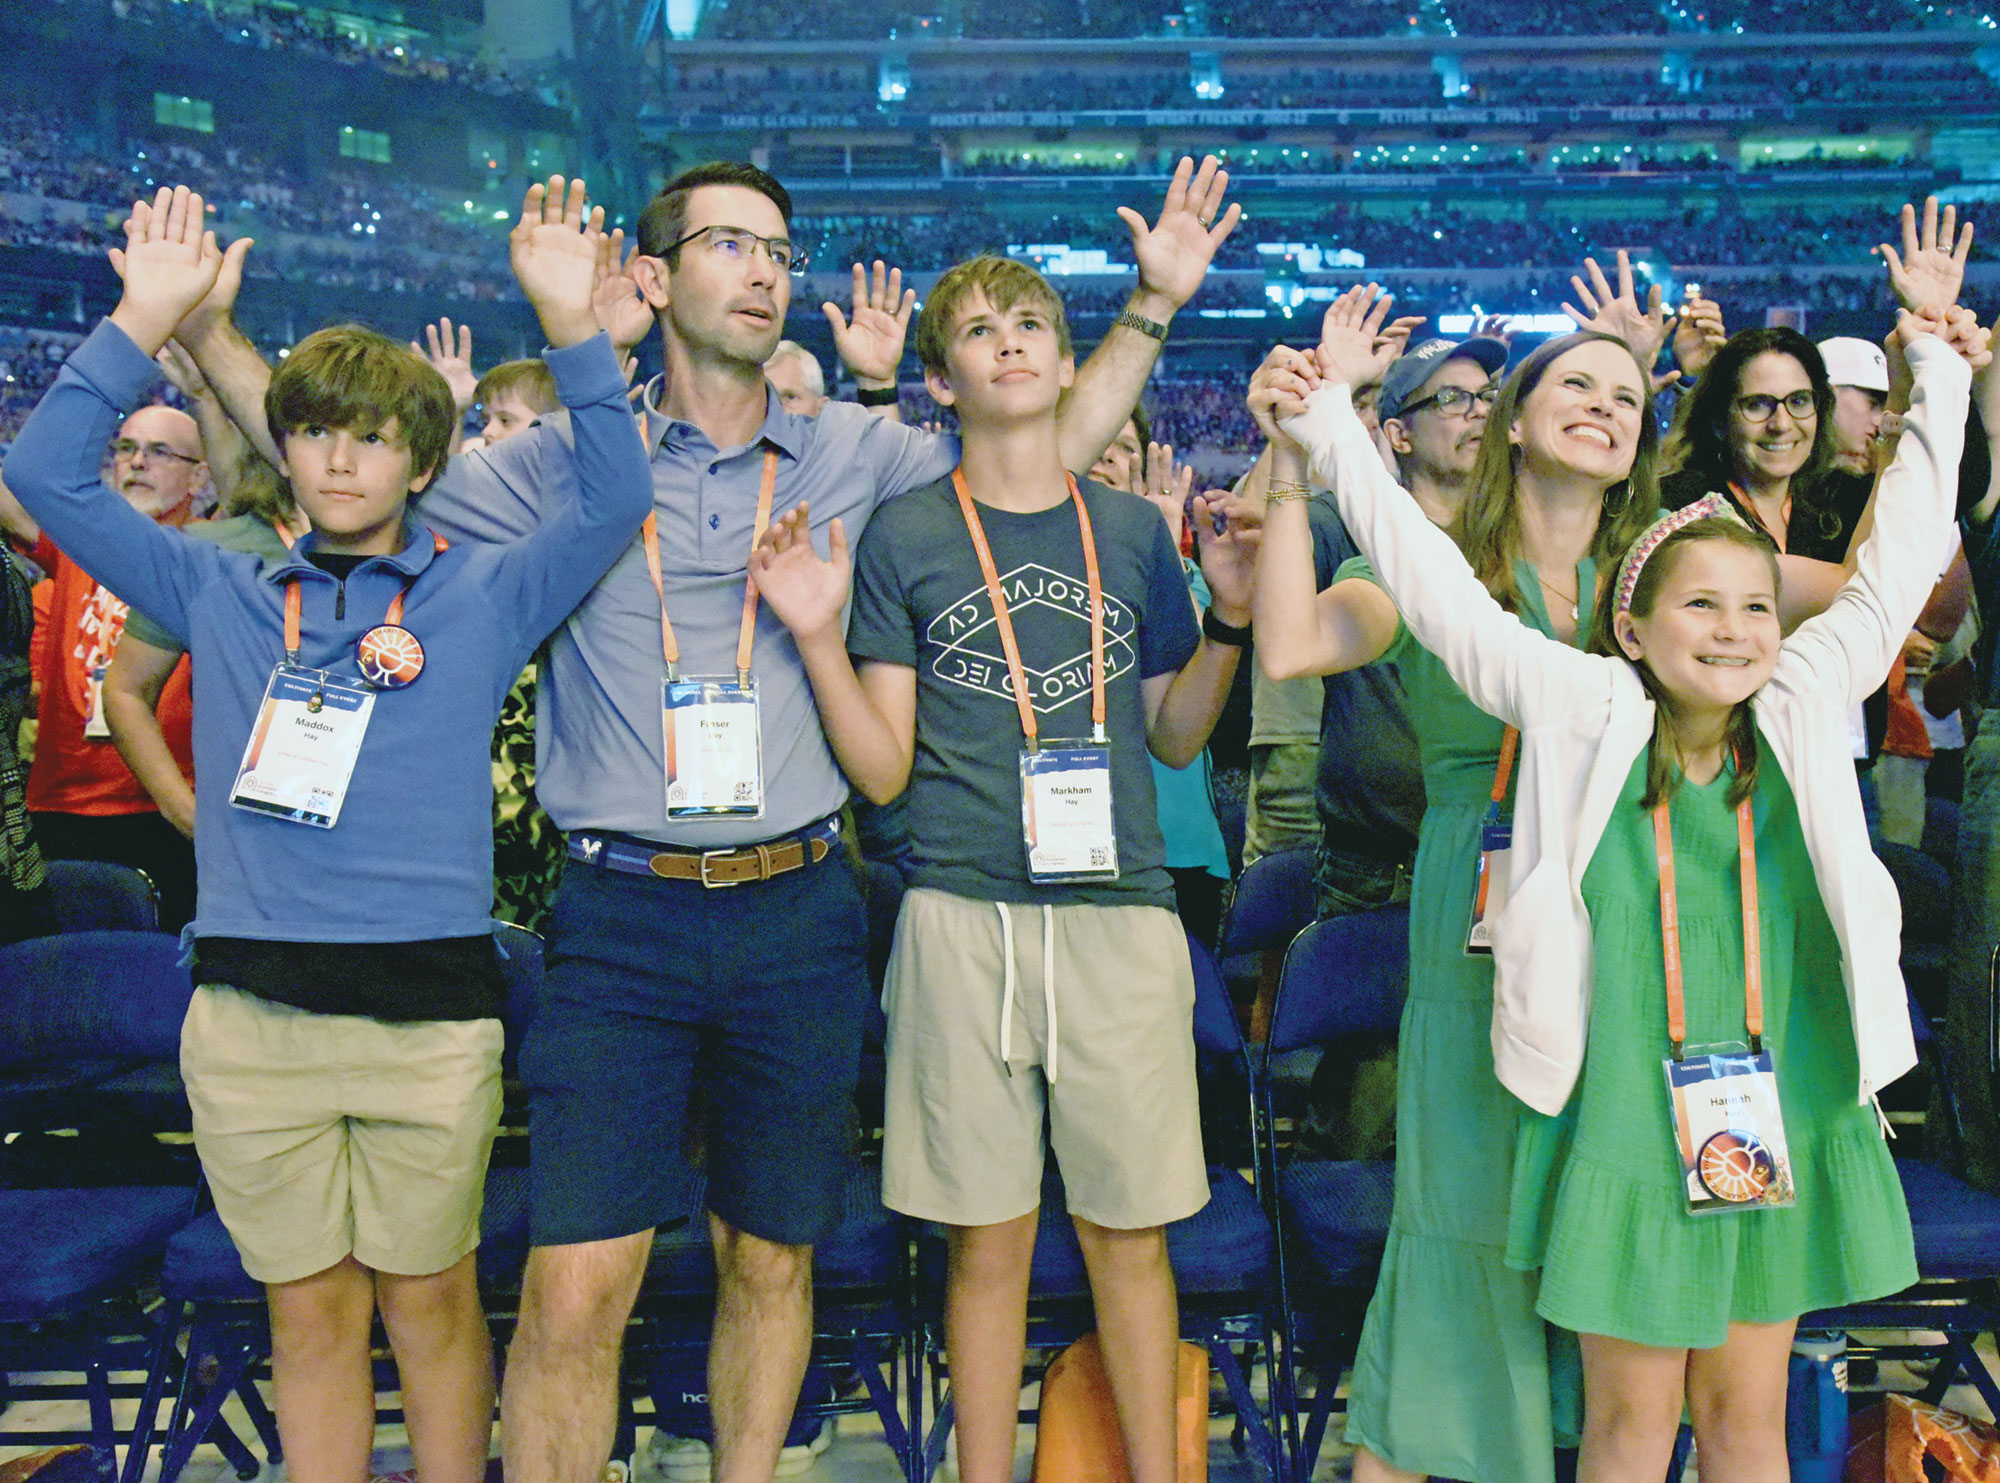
(1565, 479)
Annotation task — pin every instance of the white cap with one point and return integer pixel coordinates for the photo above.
(1855, 362)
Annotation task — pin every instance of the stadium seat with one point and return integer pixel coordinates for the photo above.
(1343, 976)
(96, 895)
(74, 1259)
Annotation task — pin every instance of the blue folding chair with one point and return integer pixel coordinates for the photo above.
(1223, 1259)
(1957, 1230)
(1343, 976)
(98, 896)
(73, 1259)
(223, 1311)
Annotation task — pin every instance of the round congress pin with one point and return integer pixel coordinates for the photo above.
(390, 656)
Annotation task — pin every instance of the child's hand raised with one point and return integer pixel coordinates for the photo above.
(1354, 347)
(806, 593)
(1228, 560)
(169, 263)
(554, 251)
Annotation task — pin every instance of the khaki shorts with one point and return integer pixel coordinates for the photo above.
(325, 1136)
(1114, 1067)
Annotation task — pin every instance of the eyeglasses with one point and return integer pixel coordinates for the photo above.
(125, 448)
(736, 243)
(1453, 401)
(1760, 406)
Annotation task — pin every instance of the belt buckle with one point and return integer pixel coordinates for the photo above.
(706, 857)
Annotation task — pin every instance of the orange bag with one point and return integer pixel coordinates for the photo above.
(1891, 1444)
(1077, 1438)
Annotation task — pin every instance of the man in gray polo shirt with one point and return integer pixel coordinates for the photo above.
(650, 967)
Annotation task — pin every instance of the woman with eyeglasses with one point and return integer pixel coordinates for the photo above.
(1758, 428)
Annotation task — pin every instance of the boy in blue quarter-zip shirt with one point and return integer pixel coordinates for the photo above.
(342, 1053)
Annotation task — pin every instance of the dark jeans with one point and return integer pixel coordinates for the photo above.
(144, 841)
(1351, 1106)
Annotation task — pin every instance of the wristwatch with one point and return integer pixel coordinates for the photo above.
(1224, 633)
(1142, 324)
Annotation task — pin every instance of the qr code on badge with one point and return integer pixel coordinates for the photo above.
(1100, 857)
(746, 791)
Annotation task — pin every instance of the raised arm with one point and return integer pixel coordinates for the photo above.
(224, 356)
(168, 264)
(1301, 630)
(1173, 255)
(870, 713)
(1182, 708)
(1852, 644)
(1506, 668)
(870, 341)
(555, 249)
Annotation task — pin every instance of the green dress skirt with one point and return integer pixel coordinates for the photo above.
(1457, 1376)
(1599, 1203)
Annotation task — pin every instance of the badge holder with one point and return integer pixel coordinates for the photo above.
(1729, 1129)
(714, 747)
(303, 748)
(1066, 819)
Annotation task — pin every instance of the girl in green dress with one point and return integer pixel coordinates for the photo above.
(1659, 781)
(1453, 1378)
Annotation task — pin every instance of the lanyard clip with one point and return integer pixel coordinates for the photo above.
(291, 659)
(1678, 1047)
(1097, 735)
(743, 678)
(673, 672)
(1756, 1043)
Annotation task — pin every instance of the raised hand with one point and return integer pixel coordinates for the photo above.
(1930, 270)
(169, 264)
(806, 593)
(1495, 327)
(1228, 561)
(1964, 333)
(1279, 389)
(1619, 313)
(1173, 254)
(1354, 349)
(1698, 334)
(621, 309)
(220, 302)
(179, 368)
(1166, 486)
(453, 362)
(870, 340)
(554, 250)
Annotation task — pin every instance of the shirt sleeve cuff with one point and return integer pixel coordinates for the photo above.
(587, 372)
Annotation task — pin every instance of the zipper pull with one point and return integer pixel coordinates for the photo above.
(340, 600)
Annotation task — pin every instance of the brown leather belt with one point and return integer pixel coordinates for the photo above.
(712, 868)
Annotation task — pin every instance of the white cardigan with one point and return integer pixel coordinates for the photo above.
(1584, 719)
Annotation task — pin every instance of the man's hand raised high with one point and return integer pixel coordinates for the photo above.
(621, 309)
(169, 264)
(870, 340)
(1173, 253)
(554, 250)
(1354, 347)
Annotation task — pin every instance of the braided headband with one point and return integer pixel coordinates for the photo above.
(1655, 535)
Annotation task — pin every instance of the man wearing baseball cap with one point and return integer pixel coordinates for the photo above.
(1433, 407)
(1859, 372)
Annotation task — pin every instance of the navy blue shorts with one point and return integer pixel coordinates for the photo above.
(758, 991)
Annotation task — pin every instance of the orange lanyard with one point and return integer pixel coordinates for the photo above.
(293, 603)
(1670, 929)
(1499, 796)
(284, 535)
(746, 634)
(1015, 671)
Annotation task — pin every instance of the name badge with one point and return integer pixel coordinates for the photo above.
(715, 748)
(303, 748)
(1496, 848)
(94, 724)
(1730, 1130)
(1066, 813)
